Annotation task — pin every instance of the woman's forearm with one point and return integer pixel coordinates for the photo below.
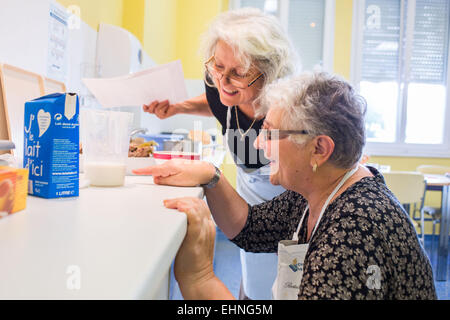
(197, 106)
(228, 209)
(210, 289)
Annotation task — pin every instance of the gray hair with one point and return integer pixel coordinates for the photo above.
(322, 104)
(257, 38)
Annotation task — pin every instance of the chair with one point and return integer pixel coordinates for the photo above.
(408, 188)
(434, 212)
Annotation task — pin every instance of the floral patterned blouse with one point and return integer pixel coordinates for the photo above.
(365, 246)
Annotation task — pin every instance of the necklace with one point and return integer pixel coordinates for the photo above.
(239, 128)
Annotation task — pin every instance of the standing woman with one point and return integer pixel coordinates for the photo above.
(244, 51)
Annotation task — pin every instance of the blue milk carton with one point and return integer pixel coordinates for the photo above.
(51, 146)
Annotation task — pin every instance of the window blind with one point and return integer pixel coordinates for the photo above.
(430, 43)
(306, 28)
(381, 35)
(381, 38)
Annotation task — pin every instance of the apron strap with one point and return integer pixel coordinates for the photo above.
(295, 236)
(229, 117)
(325, 205)
(225, 137)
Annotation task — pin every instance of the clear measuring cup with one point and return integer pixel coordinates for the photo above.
(105, 140)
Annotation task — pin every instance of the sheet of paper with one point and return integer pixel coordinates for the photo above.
(157, 83)
(58, 39)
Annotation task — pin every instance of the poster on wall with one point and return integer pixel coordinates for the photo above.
(58, 36)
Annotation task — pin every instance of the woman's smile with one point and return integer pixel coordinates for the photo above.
(229, 92)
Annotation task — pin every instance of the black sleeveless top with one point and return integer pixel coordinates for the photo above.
(244, 153)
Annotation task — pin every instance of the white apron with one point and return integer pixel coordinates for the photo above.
(259, 270)
(291, 255)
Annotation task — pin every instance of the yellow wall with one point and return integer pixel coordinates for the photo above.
(408, 163)
(193, 17)
(160, 30)
(133, 17)
(343, 37)
(172, 30)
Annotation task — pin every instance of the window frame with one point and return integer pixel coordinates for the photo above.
(328, 28)
(399, 148)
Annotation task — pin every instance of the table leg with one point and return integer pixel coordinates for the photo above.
(441, 272)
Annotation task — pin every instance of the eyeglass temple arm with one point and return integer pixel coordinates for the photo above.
(253, 81)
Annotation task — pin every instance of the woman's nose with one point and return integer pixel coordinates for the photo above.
(224, 79)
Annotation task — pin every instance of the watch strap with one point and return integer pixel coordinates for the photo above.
(212, 183)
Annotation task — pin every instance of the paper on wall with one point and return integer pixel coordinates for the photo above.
(157, 83)
(58, 38)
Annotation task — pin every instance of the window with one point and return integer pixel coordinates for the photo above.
(400, 65)
(310, 25)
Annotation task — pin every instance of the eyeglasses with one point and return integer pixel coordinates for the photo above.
(276, 134)
(236, 80)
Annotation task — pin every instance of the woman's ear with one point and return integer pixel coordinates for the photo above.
(323, 147)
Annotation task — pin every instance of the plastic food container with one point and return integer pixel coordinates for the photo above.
(160, 138)
(162, 156)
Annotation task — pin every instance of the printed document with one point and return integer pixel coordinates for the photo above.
(136, 89)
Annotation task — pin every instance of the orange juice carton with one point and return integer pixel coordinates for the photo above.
(13, 189)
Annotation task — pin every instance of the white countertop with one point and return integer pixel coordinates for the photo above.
(119, 241)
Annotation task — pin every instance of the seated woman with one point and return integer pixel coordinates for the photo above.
(339, 232)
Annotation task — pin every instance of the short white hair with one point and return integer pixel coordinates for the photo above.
(257, 39)
(322, 104)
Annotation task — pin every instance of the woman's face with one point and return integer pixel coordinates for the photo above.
(288, 160)
(227, 64)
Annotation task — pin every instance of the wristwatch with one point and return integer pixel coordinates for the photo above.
(212, 183)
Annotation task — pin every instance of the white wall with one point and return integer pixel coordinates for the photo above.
(24, 39)
(24, 33)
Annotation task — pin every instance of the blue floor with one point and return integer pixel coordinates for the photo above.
(227, 267)
(442, 287)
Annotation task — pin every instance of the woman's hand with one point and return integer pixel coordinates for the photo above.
(195, 106)
(163, 109)
(194, 261)
(180, 172)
